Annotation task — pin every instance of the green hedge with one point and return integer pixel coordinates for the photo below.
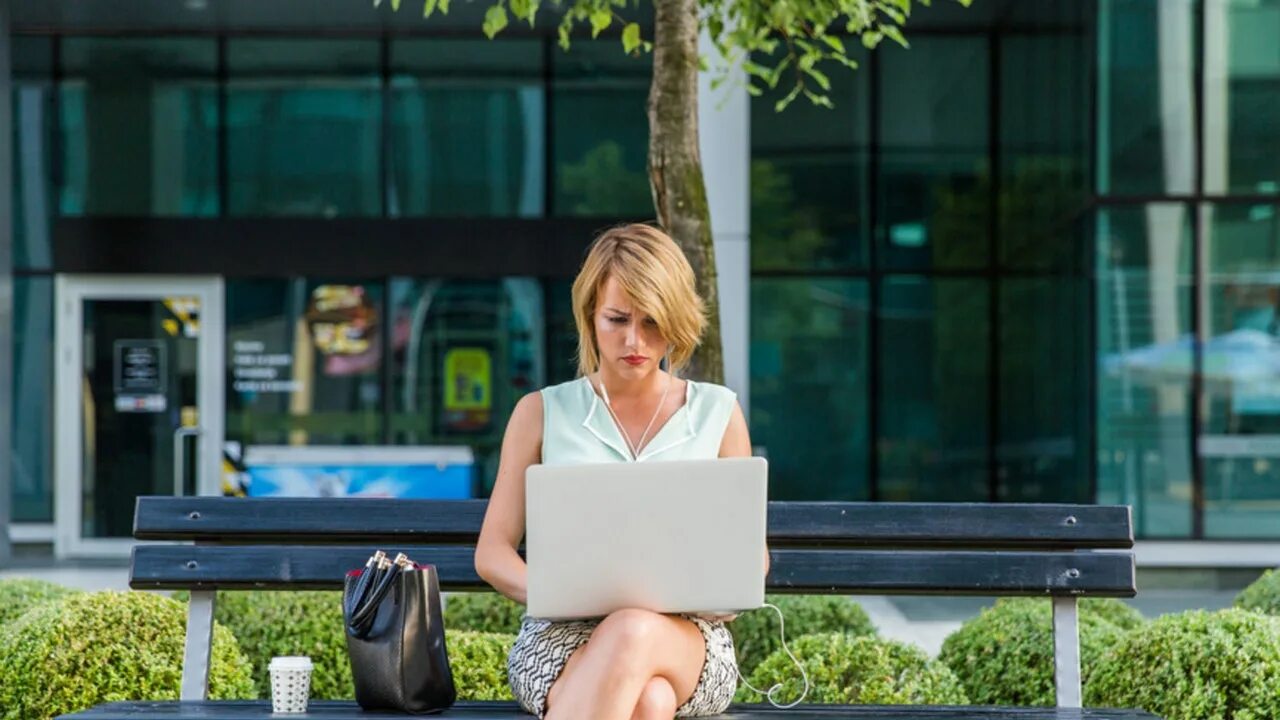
(856, 670)
(1195, 666)
(755, 633)
(21, 594)
(1262, 595)
(479, 664)
(1004, 656)
(486, 612)
(271, 623)
(88, 648)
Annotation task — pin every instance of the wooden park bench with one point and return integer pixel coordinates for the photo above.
(1063, 552)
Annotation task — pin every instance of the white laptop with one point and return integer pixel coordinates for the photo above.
(681, 536)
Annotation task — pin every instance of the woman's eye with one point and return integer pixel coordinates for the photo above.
(651, 322)
(617, 320)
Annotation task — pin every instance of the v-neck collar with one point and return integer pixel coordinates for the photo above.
(677, 430)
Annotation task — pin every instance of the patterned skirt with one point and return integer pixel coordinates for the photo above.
(543, 648)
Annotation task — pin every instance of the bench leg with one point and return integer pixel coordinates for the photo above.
(195, 661)
(1066, 651)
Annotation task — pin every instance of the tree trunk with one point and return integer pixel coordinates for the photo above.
(675, 165)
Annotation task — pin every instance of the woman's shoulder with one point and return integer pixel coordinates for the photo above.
(711, 395)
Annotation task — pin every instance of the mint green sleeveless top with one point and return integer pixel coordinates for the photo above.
(577, 427)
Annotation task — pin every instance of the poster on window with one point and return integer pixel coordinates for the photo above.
(468, 389)
(435, 472)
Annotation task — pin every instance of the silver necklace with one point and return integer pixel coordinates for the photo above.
(635, 452)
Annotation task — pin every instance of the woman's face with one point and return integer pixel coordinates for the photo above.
(630, 342)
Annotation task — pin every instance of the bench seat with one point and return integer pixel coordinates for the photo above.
(340, 710)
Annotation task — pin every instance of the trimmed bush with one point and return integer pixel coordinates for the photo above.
(21, 594)
(858, 670)
(1004, 656)
(1195, 666)
(1262, 595)
(271, 623)
(486, 612)
(88, 648)
(755, 633)
(479, 664)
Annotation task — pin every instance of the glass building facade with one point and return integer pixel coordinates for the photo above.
(1033, 258)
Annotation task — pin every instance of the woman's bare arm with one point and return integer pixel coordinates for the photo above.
(497, 561)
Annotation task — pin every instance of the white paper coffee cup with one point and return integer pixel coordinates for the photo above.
(290, 683)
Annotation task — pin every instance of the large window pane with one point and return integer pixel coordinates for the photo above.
(934, 375)
(562, 333)
(600, 131)
(32, 141)
(1146, 96)
(467, 135)
(934, 154)
(138, 120)
(464, 351)
(1042, 454)
(1044, 129)
(1240, 441)
(809, 386)
(810, 197)
(31, 451)
(304, 359)
(1242, 96)
(304, 128)
(1145, 356)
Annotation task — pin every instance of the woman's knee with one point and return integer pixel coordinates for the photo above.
(629, 630)
(657, 701)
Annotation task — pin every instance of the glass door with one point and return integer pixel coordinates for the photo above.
(139, 392)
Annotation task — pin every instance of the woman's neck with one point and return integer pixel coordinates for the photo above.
(629, 389)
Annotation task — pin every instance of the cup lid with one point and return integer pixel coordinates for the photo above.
(290, 662)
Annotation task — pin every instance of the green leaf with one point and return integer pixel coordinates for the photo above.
(871, 39)
(564, 33)
(754, 91)
(834, 43)
(495, 19)
(444, 7)
(395, 5)
(819, 77)
(428, 8)
(892, 32)
(601, 19)
(784, 102)
(631, 37)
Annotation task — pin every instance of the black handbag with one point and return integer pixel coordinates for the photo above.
(395, 637)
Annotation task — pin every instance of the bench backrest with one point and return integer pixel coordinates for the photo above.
(1041, 550)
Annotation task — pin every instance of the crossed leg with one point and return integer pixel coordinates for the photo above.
(638, 665)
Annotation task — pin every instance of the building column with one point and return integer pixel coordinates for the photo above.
(724, 128)
(6, 283)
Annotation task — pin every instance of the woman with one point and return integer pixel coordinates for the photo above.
(634, 303)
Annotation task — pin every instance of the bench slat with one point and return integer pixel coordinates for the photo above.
(338, 710)
(157, 567)
(380, 520)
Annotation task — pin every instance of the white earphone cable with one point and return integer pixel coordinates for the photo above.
(778, 686)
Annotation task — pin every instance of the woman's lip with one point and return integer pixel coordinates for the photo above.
(634, 359)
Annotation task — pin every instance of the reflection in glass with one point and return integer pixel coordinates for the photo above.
(1242, 96)
(464, 352)
(934, 153)
(304, 128)
(31, 450)
(809, 386)
(33, 202)
(467, 133)
(1240, 440)
(600, 131)
(1145, 356)
(1044, 139)
(1042, 453)
(809, 182)
(138, 123)
(304, 359)
(1146, 96)
(934, 335)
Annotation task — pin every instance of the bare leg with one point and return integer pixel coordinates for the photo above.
(657, 701)
(605, 679)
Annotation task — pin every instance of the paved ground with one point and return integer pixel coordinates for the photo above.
(924, 621)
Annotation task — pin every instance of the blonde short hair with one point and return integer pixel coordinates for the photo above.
(655, 274)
